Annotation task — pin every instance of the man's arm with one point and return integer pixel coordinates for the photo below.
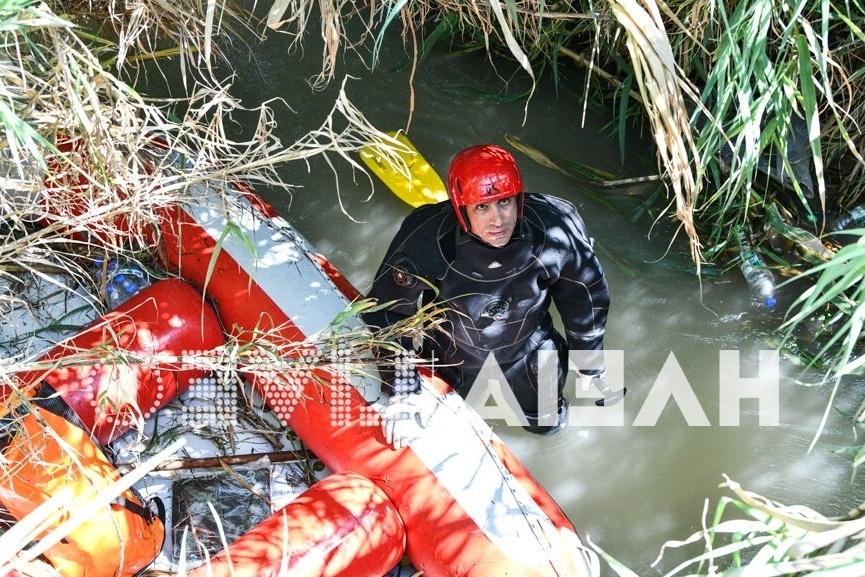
(582, 297)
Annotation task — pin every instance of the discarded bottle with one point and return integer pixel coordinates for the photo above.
(123, 279)
(758, 277)
(854, 218)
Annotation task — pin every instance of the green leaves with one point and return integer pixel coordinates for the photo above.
(750, 534)
(838, 289)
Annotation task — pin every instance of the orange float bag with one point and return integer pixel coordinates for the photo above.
(45, 455)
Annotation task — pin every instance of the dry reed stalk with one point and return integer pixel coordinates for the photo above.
(332, 14)
(661, 89)
(763, 538)
(117, 169)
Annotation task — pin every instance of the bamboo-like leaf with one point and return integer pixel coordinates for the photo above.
(810, 110)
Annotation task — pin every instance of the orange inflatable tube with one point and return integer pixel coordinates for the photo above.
(343, 526)
(169, 318)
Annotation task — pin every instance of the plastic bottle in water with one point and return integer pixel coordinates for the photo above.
(123, 279)
(853, 218)
(758, 277)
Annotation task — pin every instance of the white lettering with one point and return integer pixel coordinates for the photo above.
(492, 398)
(488, 385)
(764, 388)
(671, 383)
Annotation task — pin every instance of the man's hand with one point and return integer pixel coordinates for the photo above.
(405, 416)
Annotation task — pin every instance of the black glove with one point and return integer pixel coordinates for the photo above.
(611, 397)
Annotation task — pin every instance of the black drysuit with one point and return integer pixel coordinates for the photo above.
(499, 298)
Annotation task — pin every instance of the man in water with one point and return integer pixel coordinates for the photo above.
(495, 257)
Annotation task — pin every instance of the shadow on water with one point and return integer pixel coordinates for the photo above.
(630, 488)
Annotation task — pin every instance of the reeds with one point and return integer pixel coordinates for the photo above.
(739, 98)
(85, 174)
(748, 534)
(661, 86)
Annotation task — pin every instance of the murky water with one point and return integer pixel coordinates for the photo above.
(632, 487)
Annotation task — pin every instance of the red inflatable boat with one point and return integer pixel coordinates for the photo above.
(469, 507)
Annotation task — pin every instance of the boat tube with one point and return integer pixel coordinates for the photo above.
(342, 526)
(469, 507)
(163, 321)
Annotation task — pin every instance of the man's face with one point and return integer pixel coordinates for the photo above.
(493, 222)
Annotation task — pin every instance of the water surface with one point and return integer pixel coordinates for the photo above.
(628, 488)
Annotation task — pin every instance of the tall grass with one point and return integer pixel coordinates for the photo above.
(748, 534)
(85, 174)
(751, 104)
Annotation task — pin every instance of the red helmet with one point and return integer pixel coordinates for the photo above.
(482, 173)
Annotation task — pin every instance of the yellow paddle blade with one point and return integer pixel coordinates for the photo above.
(405, 171)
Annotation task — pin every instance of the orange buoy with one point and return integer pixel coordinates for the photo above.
(168, 318)
(45, 456)
(343, 526)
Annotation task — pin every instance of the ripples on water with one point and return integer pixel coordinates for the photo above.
(629, 488)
